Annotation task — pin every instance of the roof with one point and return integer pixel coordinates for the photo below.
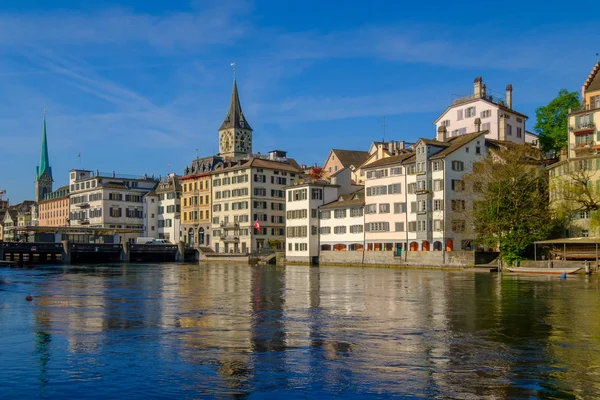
(114, 185)
(44, 165)
(350, 157)
(347, 200)
(235, 117)
(434, 142)
(456, 143)
(500, 106)
(592, 82)
(288, 165)
(577, 240)
(389, 160)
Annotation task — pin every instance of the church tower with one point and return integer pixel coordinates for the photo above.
(43, 173)
(235, 133)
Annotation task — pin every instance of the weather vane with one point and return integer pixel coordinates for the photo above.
(233, 67)
(44, 110)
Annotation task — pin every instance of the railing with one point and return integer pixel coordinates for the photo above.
(472, 96)
(230, 239)
(422, 191)
(583, 126)
(586, 107)
(229, 225)
(83, 205)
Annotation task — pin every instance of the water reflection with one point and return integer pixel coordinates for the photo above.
(233, 330)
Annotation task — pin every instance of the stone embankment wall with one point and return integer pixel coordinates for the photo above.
(556, 264)
(412, 258)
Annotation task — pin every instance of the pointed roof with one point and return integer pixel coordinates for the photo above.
(235, 117)
(593, 80)
(44, 165)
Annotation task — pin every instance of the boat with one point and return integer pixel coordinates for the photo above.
(543, 271)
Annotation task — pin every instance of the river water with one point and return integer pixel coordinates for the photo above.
(142, 331)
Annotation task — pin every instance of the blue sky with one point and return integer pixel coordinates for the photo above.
(137, 85)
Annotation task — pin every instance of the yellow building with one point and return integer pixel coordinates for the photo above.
(196, 209)
(54, 209)
(575, 179)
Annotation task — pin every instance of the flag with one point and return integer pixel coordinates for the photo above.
(79, 154)
(256, 225)
(169, 164)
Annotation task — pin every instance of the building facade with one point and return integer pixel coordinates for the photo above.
(341, 223)
(105, 200)
(489, 110)
(419, 202)
(247, 194)
(302, 218)
(196, 208)
(53, 210)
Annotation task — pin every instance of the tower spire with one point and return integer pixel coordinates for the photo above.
(44, 165)
(235, 117)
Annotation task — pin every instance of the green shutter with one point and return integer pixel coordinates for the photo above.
(597, 163)
(598, 186)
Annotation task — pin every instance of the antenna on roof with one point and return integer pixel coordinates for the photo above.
(383, 125)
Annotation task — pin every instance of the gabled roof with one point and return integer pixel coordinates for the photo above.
(592, 82)
(456, 143)
(353, 199)
(500, 106)
(433, 142)
(287, 165)
(389, 160)
(235, 117)
(350, 157)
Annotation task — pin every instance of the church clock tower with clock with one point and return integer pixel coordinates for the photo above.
(235, 133)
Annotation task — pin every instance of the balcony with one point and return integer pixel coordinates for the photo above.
(230, 239)
(229, 225)
(583, 128)
(83, 205)
(586, 107)
(422, 191)
(83, 221)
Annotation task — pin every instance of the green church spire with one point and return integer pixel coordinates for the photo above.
(44, 165)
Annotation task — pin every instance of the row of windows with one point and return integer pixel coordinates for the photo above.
(196, 215)
(230, 180)
(341, 213)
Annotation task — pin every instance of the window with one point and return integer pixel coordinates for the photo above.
(396, 171)
(438, 184)
(412, 226)
(356, 228)
(458, 166)
(394, 189)
(338, 230)
(399, 226)
(356, 212)
(458, 225)
(371, 209)
(445, 123)
(378, 227)
(459, 114)
(509, 129)
(377, 190)
(458, 205)
(317, 194)
(384, 208)
(438, 205)
(325, 230)
(486, 114)
(437, 166)
(478, 150)
(519, 132)
(325, 214)
(340, 213)
(458, 185)
(470, 112)
(438, 225)
(399, 208)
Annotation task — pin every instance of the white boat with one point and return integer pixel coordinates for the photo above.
(543, 271)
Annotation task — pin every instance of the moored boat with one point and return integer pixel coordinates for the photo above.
(543, 271)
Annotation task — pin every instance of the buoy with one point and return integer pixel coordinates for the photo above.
(563, 275)
(29, 298)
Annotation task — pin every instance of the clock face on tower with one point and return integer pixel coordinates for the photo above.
(226, 142)
(244, 142)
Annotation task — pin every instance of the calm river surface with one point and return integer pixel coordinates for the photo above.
(139, 331)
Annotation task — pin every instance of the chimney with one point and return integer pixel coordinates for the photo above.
(483, 91)
(441, 134)
(509, 96)
(563, 154)
(401, 145)
(477, 125)
(477, 87)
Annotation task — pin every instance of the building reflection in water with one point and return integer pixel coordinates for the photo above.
(233, 330)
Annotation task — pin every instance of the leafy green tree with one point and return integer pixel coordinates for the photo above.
(510, 191)
(552, 121)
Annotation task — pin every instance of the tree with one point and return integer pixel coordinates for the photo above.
(552, 121)
(510, 210)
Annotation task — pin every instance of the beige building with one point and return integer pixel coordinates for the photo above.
(581, 161)
(248, 192)
(196, 209)
(54, 209)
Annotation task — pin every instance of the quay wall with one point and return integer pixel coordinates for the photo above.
(411, 258)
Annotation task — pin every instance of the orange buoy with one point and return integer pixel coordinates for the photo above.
(29, 298)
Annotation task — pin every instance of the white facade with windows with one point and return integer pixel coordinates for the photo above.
(253, 190)
(163, 210)
(100, 200)
(302, 218)
(427, 206)
(341, 224)
(488, 110)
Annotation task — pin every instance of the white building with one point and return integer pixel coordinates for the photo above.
(491, 111)
(341, 224)
(418, 202)
(302, 218)
(247, 191)
(163, 210)
(102, 200)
